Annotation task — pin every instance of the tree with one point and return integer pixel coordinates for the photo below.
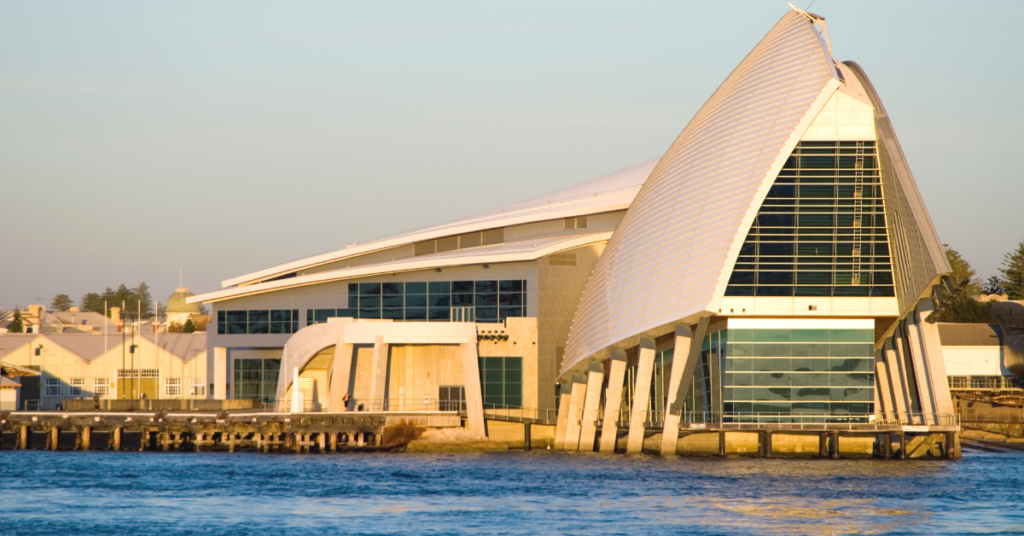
(1013, 273)
(189, 327)
(17, 325)
(994, 285)
(141, 292)
(92, 302)
(960, 305)
(61, 302)
(963, 276)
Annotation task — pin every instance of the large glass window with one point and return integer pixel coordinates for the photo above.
(257, 321)
(501, 380)
(256, 379)
(772, 374)
(484, 301)
(821, 230)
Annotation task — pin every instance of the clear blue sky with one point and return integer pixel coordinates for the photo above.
(221, 137)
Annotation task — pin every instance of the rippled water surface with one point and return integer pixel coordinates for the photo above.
(513, 493)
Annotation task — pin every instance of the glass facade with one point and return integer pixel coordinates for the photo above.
(491, 301)
(828, 372)
(501, 380)
(257, 321)
(256, 378)
(821, 230)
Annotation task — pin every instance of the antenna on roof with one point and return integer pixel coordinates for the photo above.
(818, 20)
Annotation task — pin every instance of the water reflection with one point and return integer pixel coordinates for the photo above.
(514, 493)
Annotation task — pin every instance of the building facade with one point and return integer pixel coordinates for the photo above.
(73, 366)
(777, 263)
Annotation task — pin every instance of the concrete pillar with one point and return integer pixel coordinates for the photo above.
(334, 441)
(576, 402)
(471, 381)
(897, 381)
(924, 388)
(685, 355)
(165, 440)
(833, 446)
(54, 438)
(117, 438)
(564, 396)
(613, 400)
(341, 374)
(902, 352)
(823, 444)
(23, 437)
(641, 396)
(527, 437)
(379, 375)
(903, 446)
(230, 441)
(217, 373)
(360, 439)
(883, 393)
(591, 407)
(86, 437)
(934, 362)
(322, 442)
(721, 443)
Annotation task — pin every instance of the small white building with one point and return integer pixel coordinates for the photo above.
(974, 357)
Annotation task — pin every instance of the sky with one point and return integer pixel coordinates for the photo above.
(220, 138)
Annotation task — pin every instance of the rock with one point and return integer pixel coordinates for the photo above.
(447, 440)
(981, 434)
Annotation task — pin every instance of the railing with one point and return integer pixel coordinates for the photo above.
(996, 415)
(366, 405)
(508, 413)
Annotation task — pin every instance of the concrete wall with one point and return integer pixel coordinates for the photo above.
(560, 290)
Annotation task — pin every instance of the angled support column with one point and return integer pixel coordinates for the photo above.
(379, 375)
(906, 362)
(897, 380)
(883, 394)
(613, 401)
(934, 362)
(341, 373)
(924, 388)
(471, 380)
(591, 406)
(683, 366)
(641, 397)
(565, 394)
(576, 401)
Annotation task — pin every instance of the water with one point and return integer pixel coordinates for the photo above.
(510, 493)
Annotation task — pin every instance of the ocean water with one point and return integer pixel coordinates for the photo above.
(538, 492)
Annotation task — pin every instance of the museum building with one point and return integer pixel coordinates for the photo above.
(776, 264)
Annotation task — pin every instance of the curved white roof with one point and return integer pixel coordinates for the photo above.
(671, 255)
(603, 194)
(527, 250)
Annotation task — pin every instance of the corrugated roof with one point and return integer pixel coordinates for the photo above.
(184, 345)
(526, 250)
(970, 334)
(670, 257)
(611, 192)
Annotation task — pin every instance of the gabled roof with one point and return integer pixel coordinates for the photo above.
(509, 252)
(671, 254)
(185, 346)
(603, 194)
(970, 334)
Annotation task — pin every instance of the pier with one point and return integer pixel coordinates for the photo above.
(230, 432)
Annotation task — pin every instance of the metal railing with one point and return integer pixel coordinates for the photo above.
(994, 415)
